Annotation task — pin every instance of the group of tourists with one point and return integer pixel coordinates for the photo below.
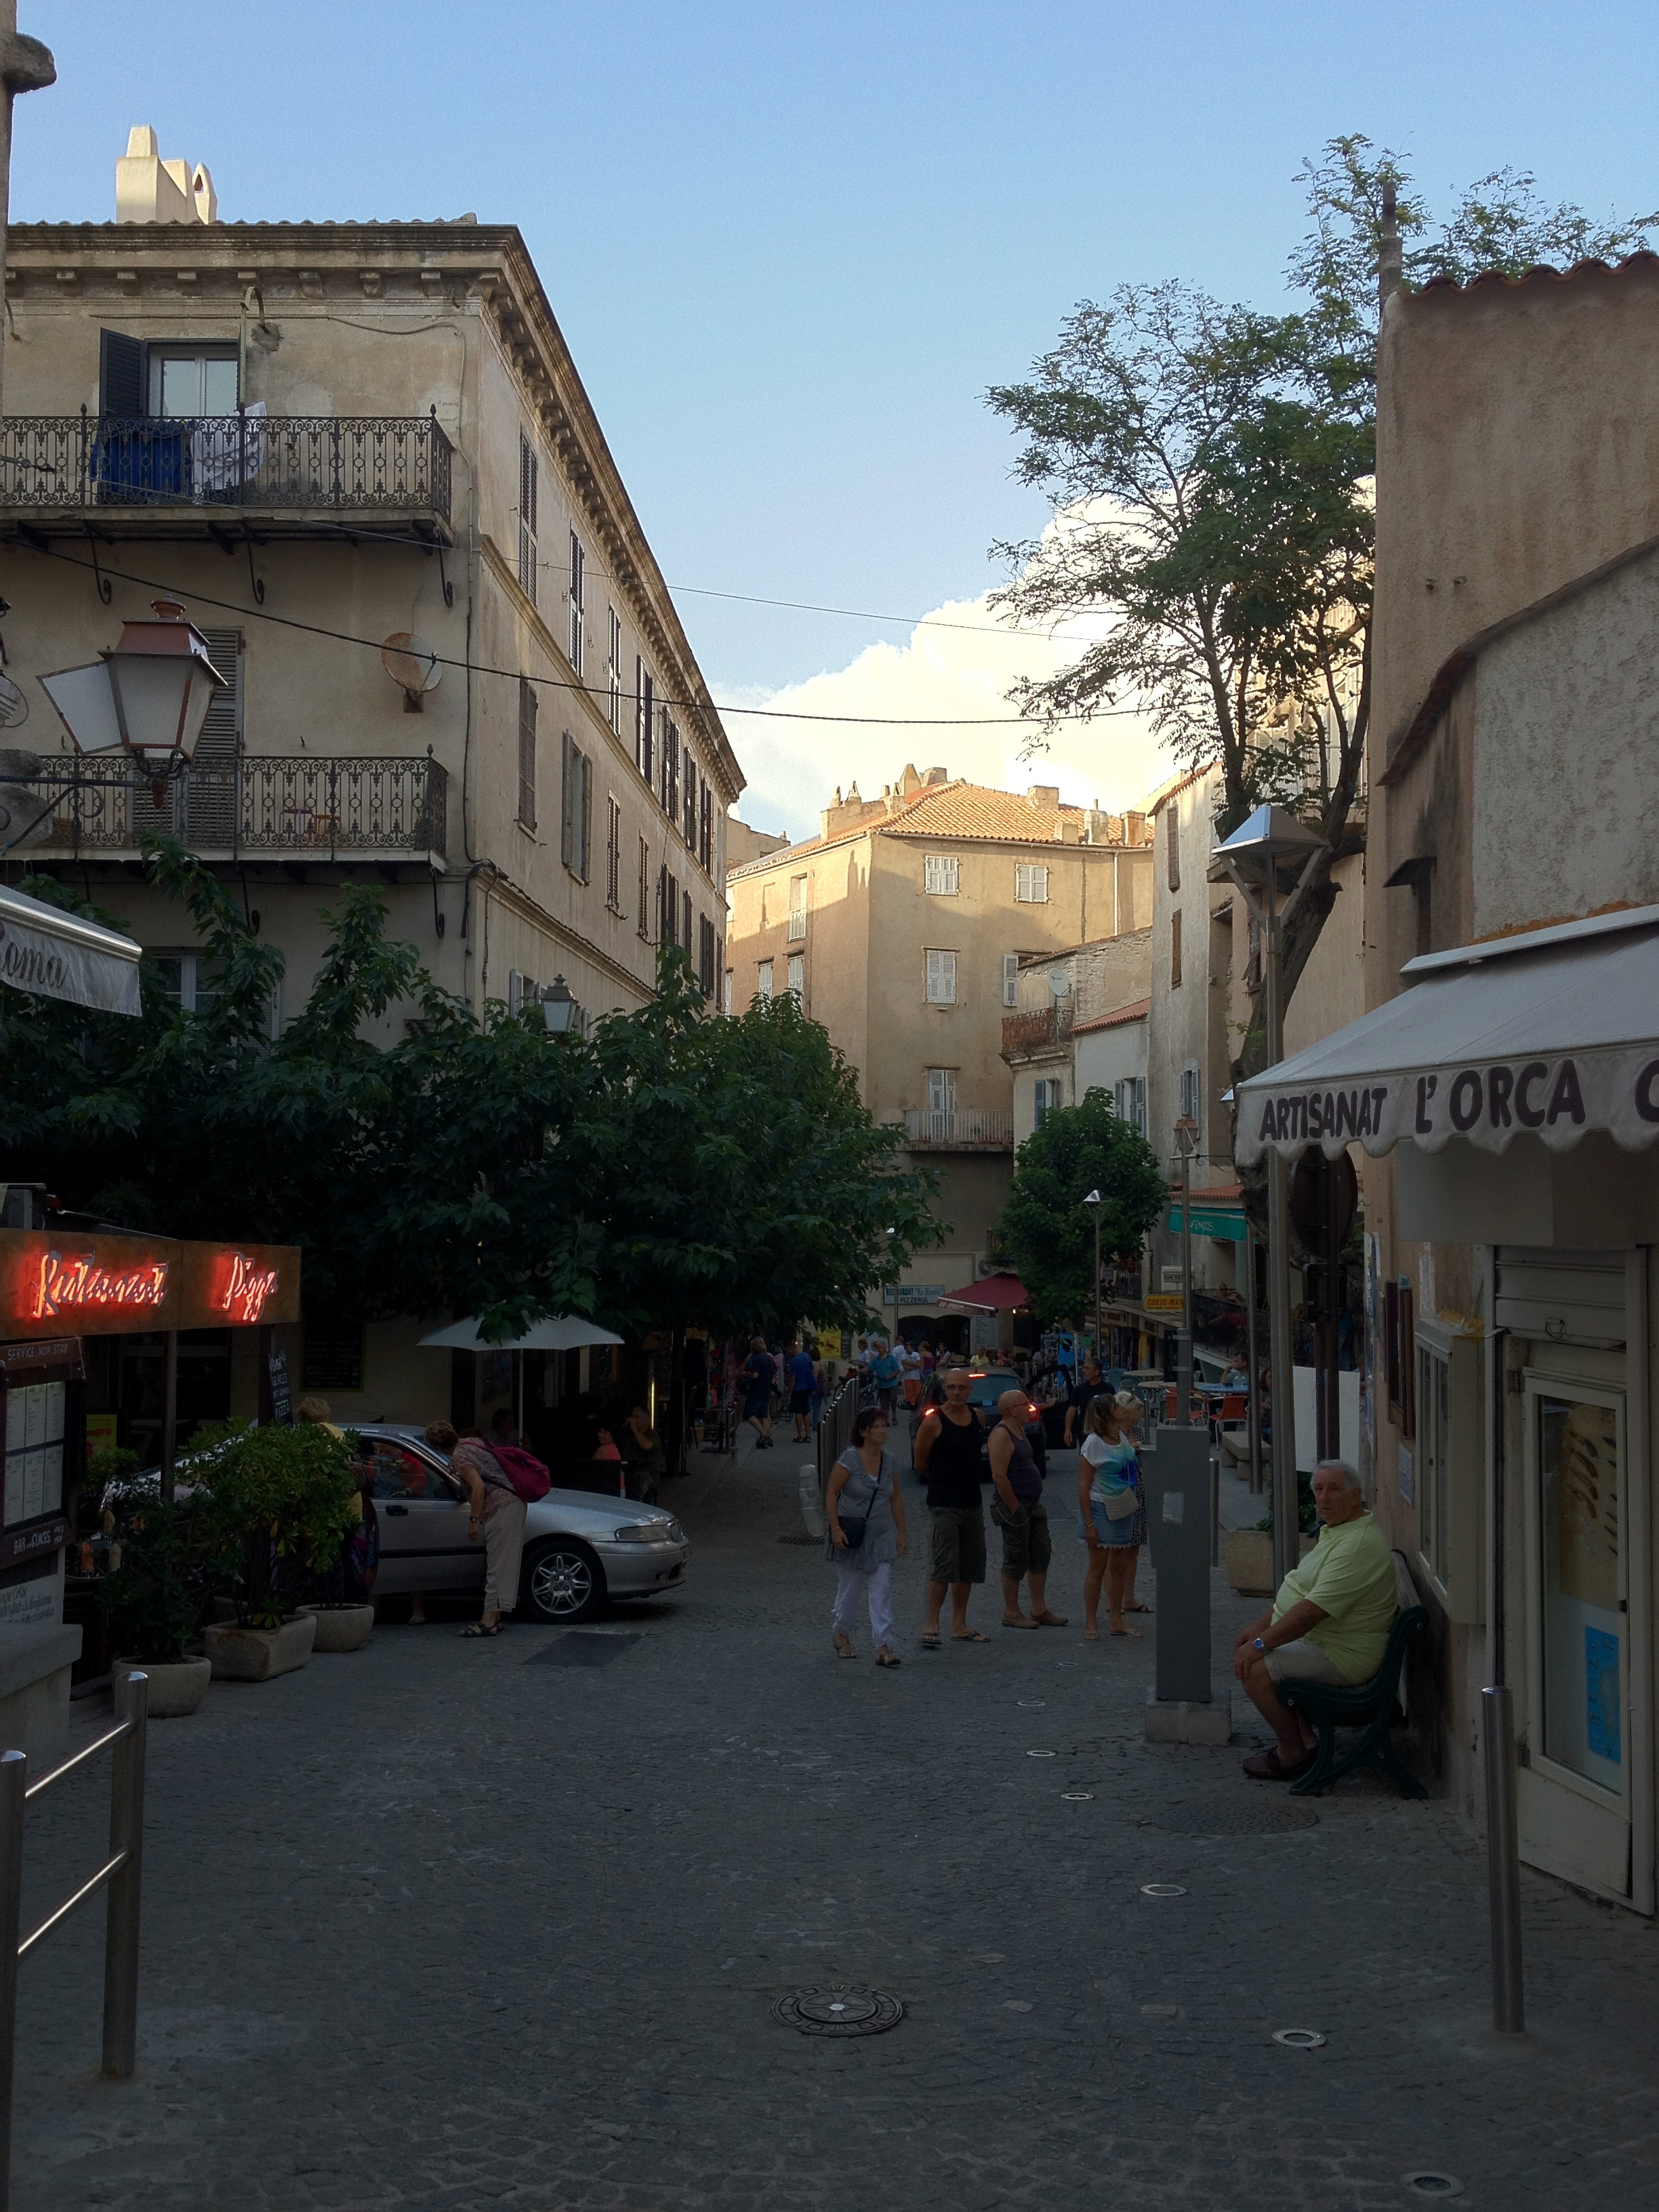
(805, 1376)
(952, 1447)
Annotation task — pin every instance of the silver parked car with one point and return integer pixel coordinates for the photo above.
(580, 1547)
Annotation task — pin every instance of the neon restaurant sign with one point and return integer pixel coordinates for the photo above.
(52, 1281)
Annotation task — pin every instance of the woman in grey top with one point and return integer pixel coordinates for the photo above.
(864, 1492)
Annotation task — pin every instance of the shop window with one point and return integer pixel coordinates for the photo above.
(1575, 1452)
(1447, 1465)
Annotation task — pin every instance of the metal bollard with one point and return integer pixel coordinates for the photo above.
(126, 1841)
(14, 1780)
(1509, 2009)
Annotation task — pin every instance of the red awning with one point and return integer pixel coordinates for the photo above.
(992, 1294)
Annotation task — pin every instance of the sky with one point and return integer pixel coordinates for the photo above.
(791, 247)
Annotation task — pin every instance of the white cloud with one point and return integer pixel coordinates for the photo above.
(793, 767)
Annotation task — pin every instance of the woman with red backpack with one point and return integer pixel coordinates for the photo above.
(499, 1482)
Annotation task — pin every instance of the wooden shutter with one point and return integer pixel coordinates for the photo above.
(211, 814)
(528, 497)
(1175, 949)
(644, 707)
(567, 759)
(529, 705)
(584, 815)
(122, 375)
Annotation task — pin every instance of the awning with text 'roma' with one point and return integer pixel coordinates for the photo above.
(1554, 1031)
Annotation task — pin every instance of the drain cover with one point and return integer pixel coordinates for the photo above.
(1432, 2185)
(1299, 2039)
(839, 2011)
(1234, 1816)
(1078, 1797)
(1162, 1889)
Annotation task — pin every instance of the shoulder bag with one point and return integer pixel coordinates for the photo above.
(853, 1530)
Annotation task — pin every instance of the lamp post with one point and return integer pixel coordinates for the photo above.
(1250, 858)
(1094, 1202)
(148, 695)
(1186, 1136)
(559, 1010)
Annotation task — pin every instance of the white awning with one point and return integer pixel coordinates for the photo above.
(59, 955)
(1555, 1031)
(558, 1333)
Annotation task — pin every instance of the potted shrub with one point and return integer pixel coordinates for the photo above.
(338, 1594)
(1250, 1551)
(153, 1593)
(280, 1502)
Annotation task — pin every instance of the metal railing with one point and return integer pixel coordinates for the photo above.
(951, 1127)
(1027, 1032)
(835, 1425)
(122, 1872)
(257, 803)
(271, 463)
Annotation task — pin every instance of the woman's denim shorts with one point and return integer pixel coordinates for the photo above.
(1107, 1530)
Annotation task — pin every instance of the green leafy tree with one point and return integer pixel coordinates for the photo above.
(1046, 1228)
(277, 1503)
(1210, 470)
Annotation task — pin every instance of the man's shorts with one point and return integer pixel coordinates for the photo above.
(958, 1544)
(756, 1406)
(800, 1401)
(1307, 1661)
(1025, 1546)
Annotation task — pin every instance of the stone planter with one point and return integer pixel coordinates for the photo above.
(1250, 1561)
(340, 1627)
(254, 1655)
(176, 1686)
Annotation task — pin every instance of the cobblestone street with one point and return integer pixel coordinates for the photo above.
(443, 1924)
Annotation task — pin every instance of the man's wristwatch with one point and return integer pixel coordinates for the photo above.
(1258, 1645)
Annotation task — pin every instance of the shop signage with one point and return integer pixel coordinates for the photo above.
(30, 1543)
(45, 1359)
(1164, 1301)
(912, 1294)
(1211, 1221)
(51, 1280)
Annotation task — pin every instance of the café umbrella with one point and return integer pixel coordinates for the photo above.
(557, 1333)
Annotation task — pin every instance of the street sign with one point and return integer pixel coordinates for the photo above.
(1162, 1301)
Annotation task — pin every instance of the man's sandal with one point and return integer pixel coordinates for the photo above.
(929, 1639)
(479, 1629)
(1268, 1766)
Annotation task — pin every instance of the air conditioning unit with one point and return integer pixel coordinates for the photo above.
(986, 1265)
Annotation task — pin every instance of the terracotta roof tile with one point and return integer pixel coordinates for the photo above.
(1541, 273)
(973, 810)
(1136, 1011)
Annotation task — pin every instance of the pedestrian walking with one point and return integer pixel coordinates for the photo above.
(644, 1460)
(864, 1511)
(1078, 1398)
(1109, 1502)
(802, 1379)
(950, 1440)
(1019, 1511)
(496, 1515)
(885, 1373)
(909, 1360)
(758, 1372)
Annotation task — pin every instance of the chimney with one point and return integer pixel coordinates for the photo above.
(937, 775)
(1390, 260)
(1044, 798)
(1134, 829)
(150, 190)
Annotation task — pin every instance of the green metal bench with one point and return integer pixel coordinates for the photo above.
(1368, 1706)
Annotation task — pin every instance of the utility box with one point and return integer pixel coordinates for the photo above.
(1176, 1476)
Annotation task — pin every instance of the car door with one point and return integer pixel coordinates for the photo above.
(420, 1509)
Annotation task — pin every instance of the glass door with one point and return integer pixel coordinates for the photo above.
(1580, 1657)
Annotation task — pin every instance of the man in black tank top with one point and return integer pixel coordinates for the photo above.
(949, 1441)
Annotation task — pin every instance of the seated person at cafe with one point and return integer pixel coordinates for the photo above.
(1329, 1622)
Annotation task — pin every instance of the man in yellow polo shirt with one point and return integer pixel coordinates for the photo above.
(1329, 1623)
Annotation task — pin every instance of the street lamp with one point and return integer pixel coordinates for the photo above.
(1251, 859)
(559, 1010)
(149, 694)
(1186, 1137)
(1094, 1202)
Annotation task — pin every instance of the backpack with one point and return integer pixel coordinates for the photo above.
(523, 1471)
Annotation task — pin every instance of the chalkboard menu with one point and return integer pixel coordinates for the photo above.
(332, 1358)
(282, 1408)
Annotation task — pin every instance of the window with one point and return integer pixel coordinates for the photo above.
(941, 979)
(187, 982)
(522, 991)
(613, 853)
(1131, 1102)
(1174, 950)
(669, 791)
(1047, 1097)
(668, 908)
(797, 973)
(725, 993)
(1172, 843)
(643, 924)
(685, 920)
(577, 600)
(1580, 1541)
(797, 908)
(941, 1090)
(941, 874)
(688, 817)
(644, 728)
(707, 955)
(527, 475)
(613, 680)
(1189, 1098)
(1031, 883)
(1398, 1337)
(1011, 979)
(764, 980)
(192, 380)
(706, 828)
(576, 813)
(529, 707)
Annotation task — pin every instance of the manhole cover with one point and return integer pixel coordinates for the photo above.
(1040, 1754)
(1234, 1816)
(1299, 2039)
(1078, 1797)
(1432, 2185)
(1162, 1889)
(838, 2011)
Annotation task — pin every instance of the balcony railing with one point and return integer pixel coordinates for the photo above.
(958, 1128)
(797, 925)
(256, 804)
(1029, 1032)
(272, 464)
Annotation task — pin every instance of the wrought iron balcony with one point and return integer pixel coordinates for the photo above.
(253, 807)
(958, 1129)
(269, 464)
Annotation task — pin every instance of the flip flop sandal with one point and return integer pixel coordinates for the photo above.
(974, 1636)
(478, 1629)
(929, 1642)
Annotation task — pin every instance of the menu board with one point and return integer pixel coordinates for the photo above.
(35, 1451)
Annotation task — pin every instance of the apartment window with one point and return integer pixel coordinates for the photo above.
(941, 979)
(707, 955)
(187, 982)
(529, 705)
(1131, 1102)
(1011, 979)
(685, 920)
(576, 813)
(941, 874)
(1174, 950)
(764, 980)
(706, 828)
(689, 816)
(725, 993)
(577, 600)
(941, 1090)
(797, 973)
(644, 922)
(613, 676)
(670, 793)
(192, 381)
(522, 991)
(797, 908)
(1047, 1097)
(613, 841)
(644, 707)
(527, 475)
(1031, 883)
(1172, 843)
(1189, 1100)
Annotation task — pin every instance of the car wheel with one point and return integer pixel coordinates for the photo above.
(563, 1582)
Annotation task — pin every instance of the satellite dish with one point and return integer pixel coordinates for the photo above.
(14, 707)
(414, 665)
(1060, 985)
